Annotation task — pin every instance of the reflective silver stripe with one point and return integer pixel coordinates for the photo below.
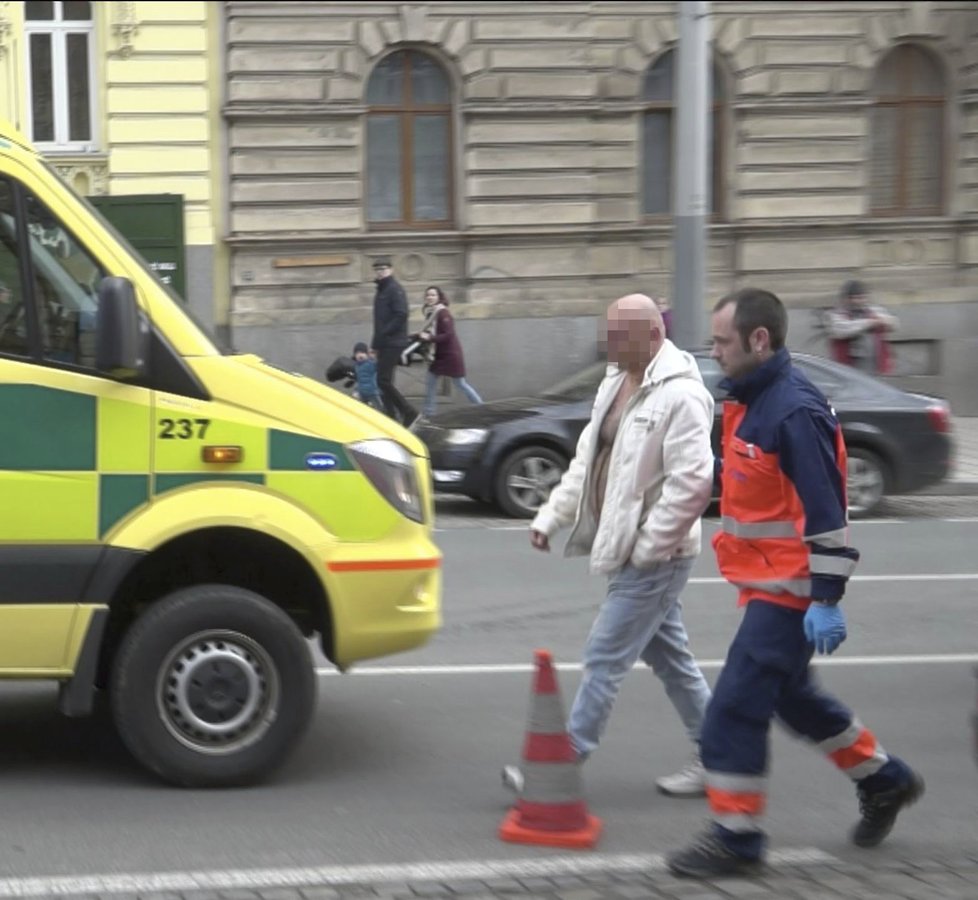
(736, 784)
(551, 782)
(842, 740)
(831, 539)
(739, 822)
(758, 529)
(870, 767)
(800, 587)
(818, 564)
(546, 715)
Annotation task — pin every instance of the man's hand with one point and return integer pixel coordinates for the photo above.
(539, 540)
(825, 627)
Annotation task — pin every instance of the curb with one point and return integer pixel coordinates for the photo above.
(951, 489)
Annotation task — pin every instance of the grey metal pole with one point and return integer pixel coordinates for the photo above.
(691, 165)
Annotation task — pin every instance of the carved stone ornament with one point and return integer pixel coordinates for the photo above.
(125, 27)
(6, 28)
(86, 176)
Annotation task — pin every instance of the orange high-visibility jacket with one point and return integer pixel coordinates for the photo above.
(783, 507)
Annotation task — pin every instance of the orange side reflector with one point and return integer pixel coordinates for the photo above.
(382, 565)
(215, 454)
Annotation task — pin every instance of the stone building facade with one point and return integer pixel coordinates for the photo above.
(517, 154)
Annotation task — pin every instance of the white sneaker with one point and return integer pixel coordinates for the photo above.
(690, 781)
(513, 779)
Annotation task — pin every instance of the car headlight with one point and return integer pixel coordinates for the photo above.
(463, 436)
(390, 469)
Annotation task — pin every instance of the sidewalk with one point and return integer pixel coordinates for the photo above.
(964, 460)
(792, 876)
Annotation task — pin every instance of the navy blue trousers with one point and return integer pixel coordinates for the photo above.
(767, 675)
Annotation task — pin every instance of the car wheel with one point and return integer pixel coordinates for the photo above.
(526, 478)
(866, 482)
(212, 686)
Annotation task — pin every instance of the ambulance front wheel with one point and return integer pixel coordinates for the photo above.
(212, 686)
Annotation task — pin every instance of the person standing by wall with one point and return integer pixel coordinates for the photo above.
(634, 493)
(449, 362)
(390, 338)
(858, 331)
(784, 543)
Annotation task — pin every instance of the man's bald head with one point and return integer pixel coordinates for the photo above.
(635, 332)
(637, 303)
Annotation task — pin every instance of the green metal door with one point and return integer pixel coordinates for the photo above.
(153, 224)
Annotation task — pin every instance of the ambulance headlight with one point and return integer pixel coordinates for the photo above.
(390, 469)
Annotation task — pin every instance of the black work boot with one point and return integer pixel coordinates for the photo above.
(879, 810)
(708, 857)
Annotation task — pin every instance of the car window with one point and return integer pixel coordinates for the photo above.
(828, 382)
(66, 280)
(13, 318)
(581, 385)
(712, 376)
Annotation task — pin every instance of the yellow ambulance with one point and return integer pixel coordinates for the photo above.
(176, 522)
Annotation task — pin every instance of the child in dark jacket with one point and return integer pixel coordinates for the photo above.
(366, 366)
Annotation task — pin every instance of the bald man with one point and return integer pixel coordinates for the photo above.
(634, 493)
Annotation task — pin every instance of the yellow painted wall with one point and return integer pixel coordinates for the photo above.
(157, 114)
(158, 110)
(156, 104)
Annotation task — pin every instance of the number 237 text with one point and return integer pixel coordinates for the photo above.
(183, 429)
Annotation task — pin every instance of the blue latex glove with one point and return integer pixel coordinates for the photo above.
(825, 627)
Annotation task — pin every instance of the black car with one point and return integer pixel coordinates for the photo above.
(512, 452)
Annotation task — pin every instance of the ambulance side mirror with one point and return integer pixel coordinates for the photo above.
(118, 333)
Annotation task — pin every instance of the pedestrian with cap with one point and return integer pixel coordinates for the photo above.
(389, 339)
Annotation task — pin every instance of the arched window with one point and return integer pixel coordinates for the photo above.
(906, 134)
(658, 130)
(409, 139)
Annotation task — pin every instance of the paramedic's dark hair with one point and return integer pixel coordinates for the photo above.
(755, 308)
(441, 294)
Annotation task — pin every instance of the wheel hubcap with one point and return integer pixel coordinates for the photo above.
(865, 484)
(532, 481)
(218, 692)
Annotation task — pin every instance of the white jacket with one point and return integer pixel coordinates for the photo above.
(660, 475)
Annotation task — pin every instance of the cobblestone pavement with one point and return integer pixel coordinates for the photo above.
(831, 879)
(964, 466)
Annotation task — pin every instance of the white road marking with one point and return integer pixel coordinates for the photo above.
(521, 668)
(450, 523)
(467, 870)
(922, 576)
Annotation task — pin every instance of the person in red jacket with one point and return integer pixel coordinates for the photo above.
(859, 332)
(784, 544)
(448, 361)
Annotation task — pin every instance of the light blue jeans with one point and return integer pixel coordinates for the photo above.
(641, 618)
(431, 388)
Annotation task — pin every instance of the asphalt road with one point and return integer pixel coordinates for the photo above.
(402, 762)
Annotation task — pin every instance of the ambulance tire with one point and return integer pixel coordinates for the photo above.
(212, 686)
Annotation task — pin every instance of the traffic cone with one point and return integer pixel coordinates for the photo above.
(550, 810)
